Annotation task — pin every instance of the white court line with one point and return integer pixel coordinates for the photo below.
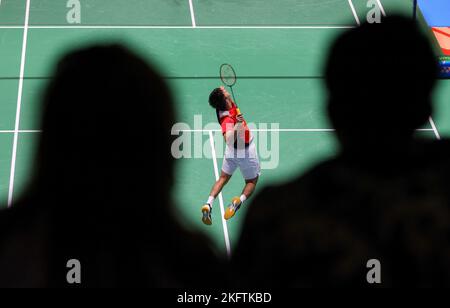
(191, 8)
(20, 131)
(381, 8)
(177, 27)
(434, 129)
(222, 211)
(19, 104)
(302, 130)
(260, 130)
(350, 2)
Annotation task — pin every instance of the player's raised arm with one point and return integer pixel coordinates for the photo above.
(234, 130)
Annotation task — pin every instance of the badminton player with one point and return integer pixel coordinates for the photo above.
(240, 153)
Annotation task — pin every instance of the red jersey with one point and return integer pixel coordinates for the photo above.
(228, 120)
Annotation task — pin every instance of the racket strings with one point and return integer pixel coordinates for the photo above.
(228, 75)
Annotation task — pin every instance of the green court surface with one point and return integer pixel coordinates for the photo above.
(278, 46)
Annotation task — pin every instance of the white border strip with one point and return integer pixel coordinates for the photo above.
(350, 2)
(19, 105)
(191, 8)
(222, 211)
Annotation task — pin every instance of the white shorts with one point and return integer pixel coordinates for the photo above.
(248, 163)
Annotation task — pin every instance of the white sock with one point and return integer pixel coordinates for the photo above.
(210, 200)
(243, 198)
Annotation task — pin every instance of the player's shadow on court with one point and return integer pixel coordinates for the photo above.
(100, 193)
(385, 196)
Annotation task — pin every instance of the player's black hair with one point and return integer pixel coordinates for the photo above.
(217, 100)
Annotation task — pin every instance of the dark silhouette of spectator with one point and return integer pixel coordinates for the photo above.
(385, 196)
(101, 187)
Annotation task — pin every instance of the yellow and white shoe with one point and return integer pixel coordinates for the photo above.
(206, 210)
(233, 208)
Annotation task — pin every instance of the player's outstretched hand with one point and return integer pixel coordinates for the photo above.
(240, 118)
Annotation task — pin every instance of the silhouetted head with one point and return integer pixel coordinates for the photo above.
(106, 133)
(104, 169)
(380, 78)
